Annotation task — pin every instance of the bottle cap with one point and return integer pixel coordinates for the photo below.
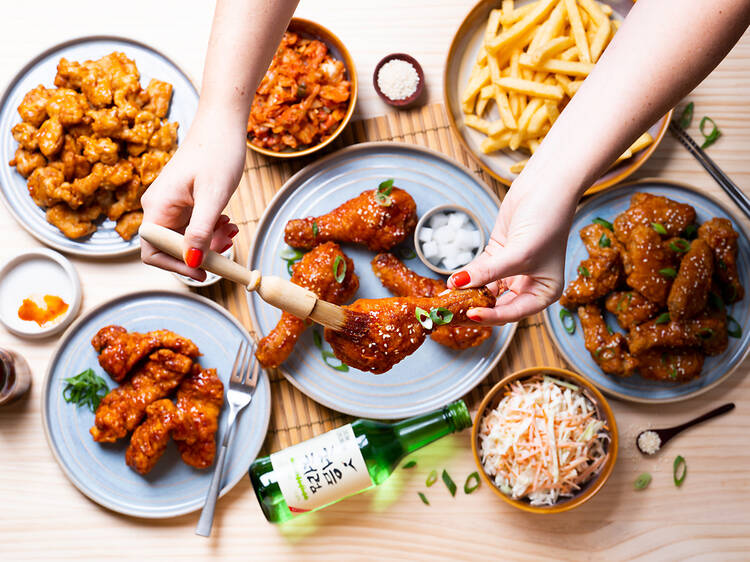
(459, 414)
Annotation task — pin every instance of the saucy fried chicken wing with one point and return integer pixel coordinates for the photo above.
(722, 239)
(315, 271)
(672, 365)
(689, 292)
(630, 308)
(362, 220)
(150, 439)
(610, 351)
(649, 264)
(646, 209)
(119, 350)
(199, 401)
(123, 408)
(388, 329)
(403, 282)
(707, 332)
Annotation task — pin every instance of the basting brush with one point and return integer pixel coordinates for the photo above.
(278, 292)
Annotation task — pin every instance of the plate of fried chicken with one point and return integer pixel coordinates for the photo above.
(654, 308)
(343, 227)
(149, 447)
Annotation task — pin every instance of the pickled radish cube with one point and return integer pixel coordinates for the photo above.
(425, 234)
(430, 250)
(458, 219)
(451, 262)
(444, 235)
(468, 239)
(463, 258)
(438, 220)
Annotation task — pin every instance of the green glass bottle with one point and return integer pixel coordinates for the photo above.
(345, 461)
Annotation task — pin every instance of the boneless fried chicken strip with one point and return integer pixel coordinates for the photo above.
(150, 439)
(722, 239)
(120, 350)
(689, 292)
(630, 308)
(596, 277)
(315, 271)
(707, 332)
(646, 209)
(389, 330)
(123, 408)
(649, 264)
(673, 365)
(199, 401)
(362, 220)
(403, 282)
(610, 351)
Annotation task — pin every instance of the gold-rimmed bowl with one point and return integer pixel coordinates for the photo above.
(312, 30)
(604, 412)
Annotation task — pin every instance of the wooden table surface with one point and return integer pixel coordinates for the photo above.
(43, 516)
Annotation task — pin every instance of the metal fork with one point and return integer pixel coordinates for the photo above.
(242, 385)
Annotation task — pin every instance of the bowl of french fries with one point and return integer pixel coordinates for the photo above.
(512, 68)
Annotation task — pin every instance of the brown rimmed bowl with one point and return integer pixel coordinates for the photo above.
(312, 30)
(408, 101)
(591, 488)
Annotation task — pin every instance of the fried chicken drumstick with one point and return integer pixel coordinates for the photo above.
(315, 271)
(403, 282)
(367, 219)
(389, 329)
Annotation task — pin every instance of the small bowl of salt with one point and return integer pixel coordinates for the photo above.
(398, 80)
(448, 237)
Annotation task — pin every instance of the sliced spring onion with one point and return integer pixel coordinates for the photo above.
(690, 231)
(410, 464)
(672, 372)
(687, 115)
(568, 322)
(642, 481)
(604, 241)
(722, 264)
(424, 318)
(449, 483)
(328, 357)
(383, 200)
(622, 298)
(680, 245)
(423, 498)
(583, 271)
(441, 316)
(85, 389)
(733, 327)
(406, 253)
(659, 227)
(679, 470)
(602, 222)
(472, 478)
(290, 254)
(711, 137)
(668, 272)
(558, 382)
(715, 300)
(431, 478)
(317, 340)
(610, 331)
(290, 267)
(339, 269)
(663, 318)
(705, 333)
(386, 187)
(316, 230)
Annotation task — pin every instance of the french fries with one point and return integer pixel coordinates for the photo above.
(533, 59)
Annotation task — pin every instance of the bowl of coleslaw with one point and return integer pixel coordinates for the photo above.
(545, 440)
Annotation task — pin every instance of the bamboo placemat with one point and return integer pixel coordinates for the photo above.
(294, 416)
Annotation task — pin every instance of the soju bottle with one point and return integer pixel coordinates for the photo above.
(345, 461)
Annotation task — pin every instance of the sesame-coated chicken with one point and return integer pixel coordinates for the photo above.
(722, 239)
(150, 439)
(689, 293)
(647, 210)
(609, 350)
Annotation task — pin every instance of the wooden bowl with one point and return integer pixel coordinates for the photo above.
(311, 30)
(406, 102)
(593, 486)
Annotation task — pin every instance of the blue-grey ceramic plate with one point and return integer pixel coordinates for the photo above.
(434, 374)
(105, 241)
(637, 389)
(99, 470)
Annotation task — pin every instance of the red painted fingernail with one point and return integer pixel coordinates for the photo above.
(226, 248)
(473, 317)
(234, 233)
(193, 257)
(461, 278)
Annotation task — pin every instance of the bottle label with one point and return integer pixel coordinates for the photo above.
(321, 470)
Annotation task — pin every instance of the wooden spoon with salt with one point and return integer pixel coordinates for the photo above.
(665, 435)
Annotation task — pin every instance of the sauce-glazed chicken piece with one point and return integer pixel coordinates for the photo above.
(119, 350)
(362, 220)
(707, 332)
(315, 271)
(123, 408)
(646, 209)
(610, 351)
(199, 401)
(630, 308)
(403, 282)
(128, 224)
(649, 264)
(689, 292)
(387, 330)
(722, 239)
(671, 365)
(74, 223)
(150, 439)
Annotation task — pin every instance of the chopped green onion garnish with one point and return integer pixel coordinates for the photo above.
(658, 227)
(386, 187)
(406, 253)
(663, 318)
(328, 356)
(642, 481)
(722, 264)
(339, 272)
(290, 267)
(668, 272)
(583, 271)
(733, 327)
(85, 389)
(690, 231)
(568, 322)
(711, 137)
(715, 300)
(410, 464)
(383, 200)
(680, 245)
(290, 254)
(315, 229)
(317, 340)
(423, 498)
(610, 331)
(472, 482)
(441, 316)
(679, 470)
(604, 241)
(601, 222)
(622, 298)
(687, 115)
(705, 333)
(431, 478)
(449, 483)
(424, 318)
(672, 373)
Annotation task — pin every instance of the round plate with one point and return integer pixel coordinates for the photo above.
(461, 57)
(432, 376)
(41, 70)
(637, 389)
(99, 470)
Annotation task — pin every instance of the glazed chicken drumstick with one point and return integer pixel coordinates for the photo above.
(374, 219)
(388, 329)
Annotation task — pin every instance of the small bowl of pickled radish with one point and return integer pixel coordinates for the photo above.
(544, 440)
(448, 237)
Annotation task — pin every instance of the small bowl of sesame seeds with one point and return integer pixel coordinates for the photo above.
(399, 80)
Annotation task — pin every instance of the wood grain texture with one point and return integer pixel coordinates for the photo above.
(45, 517)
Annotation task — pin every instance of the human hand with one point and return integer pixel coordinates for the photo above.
(193, 189)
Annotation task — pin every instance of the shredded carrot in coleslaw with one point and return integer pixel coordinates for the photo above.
(544, 441)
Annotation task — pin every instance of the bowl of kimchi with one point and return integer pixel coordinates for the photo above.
(307, 95)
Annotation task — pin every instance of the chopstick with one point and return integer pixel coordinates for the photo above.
(729, 187)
